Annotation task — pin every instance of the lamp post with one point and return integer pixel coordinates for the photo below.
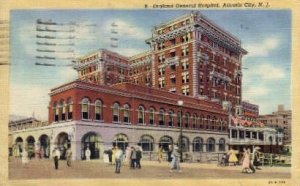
(180, 103)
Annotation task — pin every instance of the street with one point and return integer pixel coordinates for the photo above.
(44, 169)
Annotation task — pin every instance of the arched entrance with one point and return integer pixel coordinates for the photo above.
(30, 146)
(18, 147)
(63, 142)
(121, 140)
(45, 145)
(165, 142)
(92, 141)
(185, 144)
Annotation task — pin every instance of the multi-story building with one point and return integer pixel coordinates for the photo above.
(280, 120)
(250, 111)
(123, 101)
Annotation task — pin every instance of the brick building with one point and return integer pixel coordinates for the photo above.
(281, 120)
(119, 100)
(250, 112)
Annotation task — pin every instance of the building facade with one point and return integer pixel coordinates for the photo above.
(128, 101)
(250, 112)
(280, 120)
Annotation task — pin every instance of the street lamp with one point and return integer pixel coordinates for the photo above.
(180, 103)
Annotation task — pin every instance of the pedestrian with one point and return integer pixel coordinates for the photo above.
(175, 163)
(160, 154)
(133, 158)
(169, 153)
(109, 153)
(127, 155)
(251, 161)
(138, 157)
(246, 161)
(69, 156)
(87, 154)
(113, 155)
(118, 159)
(42, 153)
(56, 156)
(256, 160)
(232, 156)
(25, 159)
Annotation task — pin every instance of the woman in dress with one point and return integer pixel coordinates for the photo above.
(246, 161)
(232, 156)
(160, 154)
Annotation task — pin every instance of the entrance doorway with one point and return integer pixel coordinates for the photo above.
(45, 145)
(63, 142)
(91, 140)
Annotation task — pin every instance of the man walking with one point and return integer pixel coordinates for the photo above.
(133, 158)
(69, 156)
(118, 157)
(56, 156)
(138, 157)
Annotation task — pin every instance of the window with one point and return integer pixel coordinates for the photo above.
(165, 142)
(185, 90)
(141, 115)
(116, 112)
(222, 144)
(171, 120)
(173, 80)
(161, 46)
(201, 121)
(151, 116)
(126, 118)
(185, 77)
(70, 108)
(161, 117)
(198, 144)
(186, 120)
(178, 118)
(184, 144)
(55, 111)
(146, 142)
(161, 71)
(210, 146)
(161, 58)
(185, 64)
(214, 122)
(161, 82)
(85, 108)
(98, 110)
(173, 41)
(172, 54)
(194, 121)
(208, 126)
(185, 38)
(173, 67)
(62, 110)
(185, 51)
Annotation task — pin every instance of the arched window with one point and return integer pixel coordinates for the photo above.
(214, 121)
(185, 144)
(178, 119)
(186, 120)
(151, 116)
(69, 108)
(126, 117)
(85, 108)
(141, 115)
(210, 146)
(55, 111)
(202, 121)
(161, 117)
(146, 142)
(62, 109)
(116, 112)
(165, 142)
(222, 144)
(208, 126)
(194, 121)
(198, 144)
(171, 120)
(120, 140)
(98, 110)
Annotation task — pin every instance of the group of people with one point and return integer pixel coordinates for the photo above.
(57, 155)
(131, 157)
(249, 161)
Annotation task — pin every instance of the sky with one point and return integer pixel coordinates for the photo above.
(265, 34)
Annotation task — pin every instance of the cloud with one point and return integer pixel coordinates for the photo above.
(263, 48)
(124, 28)
(265, 71)
(28, 99)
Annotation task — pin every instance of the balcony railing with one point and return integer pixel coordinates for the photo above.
(172, 61)
(219, 76)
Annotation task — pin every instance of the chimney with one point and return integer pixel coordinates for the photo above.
(280, 108)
